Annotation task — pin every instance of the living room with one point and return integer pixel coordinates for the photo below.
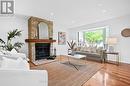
(66, 21)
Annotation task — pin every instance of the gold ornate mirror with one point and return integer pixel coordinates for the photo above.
(125, 32)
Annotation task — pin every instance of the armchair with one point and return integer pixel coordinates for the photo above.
(14, 71)
(23, 78)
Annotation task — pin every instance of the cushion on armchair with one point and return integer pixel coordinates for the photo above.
(12, 64)
(12, 54)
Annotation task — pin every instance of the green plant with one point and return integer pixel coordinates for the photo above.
(94, 36)
(8, 45)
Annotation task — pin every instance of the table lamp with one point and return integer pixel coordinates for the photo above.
(111, 41)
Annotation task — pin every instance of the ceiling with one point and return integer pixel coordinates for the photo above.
(73, 13)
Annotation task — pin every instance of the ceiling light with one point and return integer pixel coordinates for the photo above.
(99, 5)
(104, 11)
(73, 21)
(51, 14)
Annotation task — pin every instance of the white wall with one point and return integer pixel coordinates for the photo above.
(8, 23)
(20, 22)
(116, 25)
(61, 49)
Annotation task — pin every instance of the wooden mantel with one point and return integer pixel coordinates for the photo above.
(40, 40)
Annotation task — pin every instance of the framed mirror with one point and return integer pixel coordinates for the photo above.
(125, 32)
(42, 31)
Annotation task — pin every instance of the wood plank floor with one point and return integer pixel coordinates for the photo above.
(110, 75)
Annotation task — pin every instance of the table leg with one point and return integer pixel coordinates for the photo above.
(60, 58)
(68, 59)
(117, 59)
(74, 66)
(71, 63)
(85, 59)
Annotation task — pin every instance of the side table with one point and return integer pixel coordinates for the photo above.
(112, 53)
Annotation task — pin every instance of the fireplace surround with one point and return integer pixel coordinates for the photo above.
(39, 47)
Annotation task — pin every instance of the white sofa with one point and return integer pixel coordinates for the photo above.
(16, 72)
(23, 78)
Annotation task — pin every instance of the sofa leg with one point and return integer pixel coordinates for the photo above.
(101, 61)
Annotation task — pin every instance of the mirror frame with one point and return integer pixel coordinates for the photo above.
(125, 32)
(38, 30)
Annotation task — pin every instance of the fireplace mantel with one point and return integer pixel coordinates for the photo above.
(40, 40)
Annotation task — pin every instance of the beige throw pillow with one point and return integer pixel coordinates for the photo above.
(99, 50)
(78, 48)
(93, 49)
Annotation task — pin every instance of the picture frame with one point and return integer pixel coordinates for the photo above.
(61, 38)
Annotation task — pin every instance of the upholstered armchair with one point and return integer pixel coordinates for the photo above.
(15, 71)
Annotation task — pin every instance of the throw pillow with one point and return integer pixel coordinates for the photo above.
(12, 64)
(78, 48)
(9, 63)
(99, 50)
(93, 49)
(4, 52)
(88, 49)
(13, 51)
(82, 49)
(18, 55)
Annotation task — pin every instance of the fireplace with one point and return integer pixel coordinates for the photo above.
(42, 50)
(40, 39)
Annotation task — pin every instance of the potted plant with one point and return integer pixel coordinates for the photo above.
(8, 45)
(71, 46)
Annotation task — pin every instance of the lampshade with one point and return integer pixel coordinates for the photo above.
(112, 40)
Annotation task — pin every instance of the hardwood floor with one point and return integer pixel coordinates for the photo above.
(110, 75)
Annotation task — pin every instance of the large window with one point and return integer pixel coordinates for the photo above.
(96, 36)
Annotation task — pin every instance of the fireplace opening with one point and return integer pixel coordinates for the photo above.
(42, 50)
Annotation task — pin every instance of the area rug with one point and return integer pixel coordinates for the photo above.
(63, 74)
(44, 61)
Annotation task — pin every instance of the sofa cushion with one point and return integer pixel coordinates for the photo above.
(4, 52)
(82, 49)
(10, 64)
(18, 55)
(85, 48)
(78, 49)
(13, 54)
(89, 54)
(99, 50)
(23, 64)
(1, 53)
(93, 49)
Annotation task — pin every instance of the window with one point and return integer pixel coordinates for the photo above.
(96, 36)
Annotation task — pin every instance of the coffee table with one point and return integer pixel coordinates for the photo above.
(76, 56)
